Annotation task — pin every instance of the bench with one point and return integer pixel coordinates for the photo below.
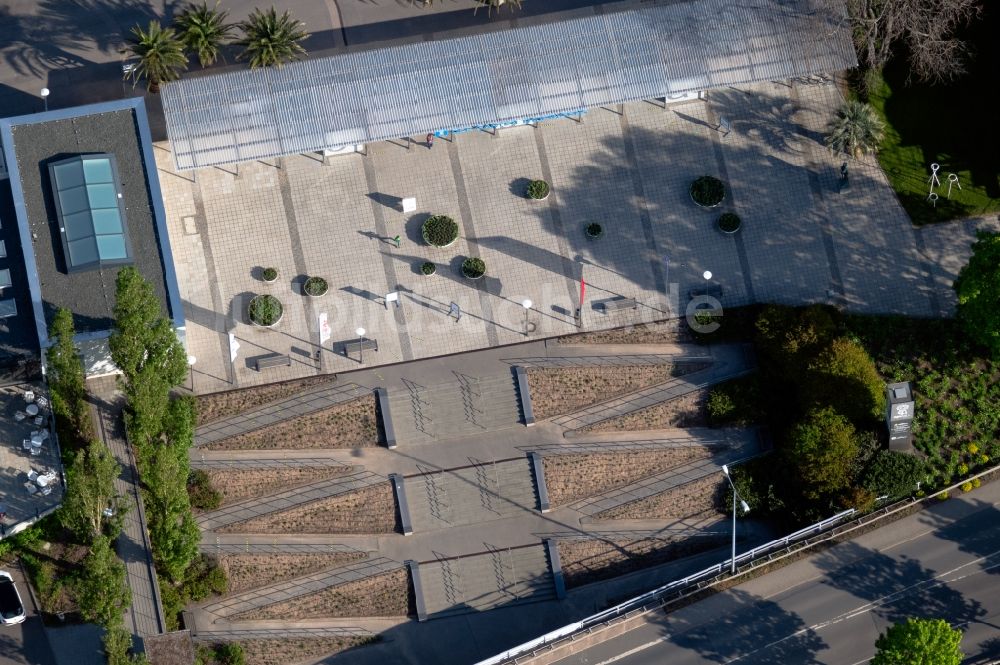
(714, 290)
(618, 303)
(361, 345)
(277, 360)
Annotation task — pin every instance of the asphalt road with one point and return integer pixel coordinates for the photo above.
(830, 608)
(25, 643)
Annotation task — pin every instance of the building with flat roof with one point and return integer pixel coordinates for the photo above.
(82, 199)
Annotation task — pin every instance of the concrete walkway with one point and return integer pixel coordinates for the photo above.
(145, 616)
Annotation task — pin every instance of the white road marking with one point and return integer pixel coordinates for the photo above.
(641, 647)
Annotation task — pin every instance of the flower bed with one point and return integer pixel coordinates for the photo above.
(538, 190)
(473, 267)
(439, 231)
(729, 222)
(265, 310)
(315, 286)
(707, 191)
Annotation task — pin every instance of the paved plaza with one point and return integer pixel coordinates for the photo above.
(628, 168)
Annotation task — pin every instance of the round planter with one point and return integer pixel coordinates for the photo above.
(257, 299)
(439, 220)
(323, 287)
(593, 233)
(471, 268)
(729, 223)
(427, 269)
(708, 202)
(537, 184)
(273, 277)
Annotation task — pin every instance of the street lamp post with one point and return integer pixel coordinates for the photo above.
(707, 274)
(45, 97)
(527, 307)
(361, 345)
(743, 505)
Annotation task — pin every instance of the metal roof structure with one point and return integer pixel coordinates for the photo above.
(523, 72)
(90, 210)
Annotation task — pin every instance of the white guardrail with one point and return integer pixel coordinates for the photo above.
(676, 585)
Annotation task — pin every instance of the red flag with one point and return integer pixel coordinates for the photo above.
(583, 291)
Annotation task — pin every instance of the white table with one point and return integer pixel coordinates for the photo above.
(32, 409)
(44, 481)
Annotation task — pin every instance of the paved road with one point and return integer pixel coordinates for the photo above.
(25, 643)
(830, 608)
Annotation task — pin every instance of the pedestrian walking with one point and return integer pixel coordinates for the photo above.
(430, 140)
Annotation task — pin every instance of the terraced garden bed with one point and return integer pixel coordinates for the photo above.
(385, 595)
(674, 331)
(685, 411)
(291, 650)
(221, 405)
(348, 425)
(555, 391)
(368, 510)
(246, 570)
(587, 560)
(699, 499)
(238, 484)
(578, 476)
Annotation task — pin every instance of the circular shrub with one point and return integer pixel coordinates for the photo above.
(594, 230)
(315, 286)
(707, 191)
(439, 230)
(428, 268)
(270, 274)
(265, 310)
(538, 189)
(473, 268)
(729, 222)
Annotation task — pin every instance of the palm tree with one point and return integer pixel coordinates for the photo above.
(857, 130)
(204, 30)
(271, 40)
(161, 55)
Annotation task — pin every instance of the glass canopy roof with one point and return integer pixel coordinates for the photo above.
(666, 48)
(91, 214)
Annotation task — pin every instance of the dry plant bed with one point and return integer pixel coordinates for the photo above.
(220, 405)
(581, 475)
(346, 425)
(684, 411)
(673, 331)
(700, 498)
(245, 571)
(384, 595)
(587, 560)
(559, 390)
(297, 649)
(367, 510)
(237, 484)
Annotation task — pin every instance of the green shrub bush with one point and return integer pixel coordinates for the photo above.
(707, 191)
(735, 403)
(473, 267)
(729, 222)
(822, 448)
(538, 189)
(439, 231)
(844, 376)
(315, 286)
(270, 274)
(265, 310)
(894, 474)
(203, 495)
(428, 268)
(594, 230)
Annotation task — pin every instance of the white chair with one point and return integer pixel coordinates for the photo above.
(39, 420)
(32, 475)
(29, 397)
(26, 444)
(20, 415)
(36, 451)
(47, 490)
(30, 487)
(42, 401)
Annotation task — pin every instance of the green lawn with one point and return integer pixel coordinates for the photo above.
(953, 125)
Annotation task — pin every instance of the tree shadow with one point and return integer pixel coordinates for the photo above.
(975, 533)
(754, 630)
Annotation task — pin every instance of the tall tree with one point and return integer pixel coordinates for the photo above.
(822, 448)
(146, 349)
(978, 290)
(919, 642)
(270, 39)
(90, 491)
(204, 31)
(101, 591)
(857, 130)
(926, 28)
(161, 55)
(65, 374)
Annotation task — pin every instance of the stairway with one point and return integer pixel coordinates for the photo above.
(464, 407)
